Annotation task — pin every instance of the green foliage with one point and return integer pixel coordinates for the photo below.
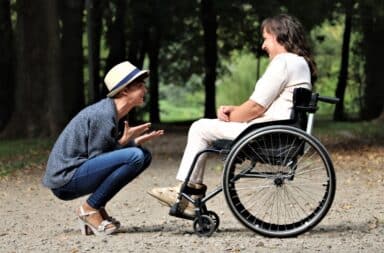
(327, 53)
(327, 49)
(236, 86)
(179, 103)
(20, 154)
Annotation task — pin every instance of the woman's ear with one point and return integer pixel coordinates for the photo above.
(121, 93)
(125, 90)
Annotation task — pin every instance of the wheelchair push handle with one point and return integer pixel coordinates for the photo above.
(329, 100)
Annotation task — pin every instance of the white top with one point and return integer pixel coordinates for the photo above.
(274, 90)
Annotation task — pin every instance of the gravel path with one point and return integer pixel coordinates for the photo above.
(33, 220)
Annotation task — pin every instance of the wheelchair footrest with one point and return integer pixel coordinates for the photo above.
(176, 212)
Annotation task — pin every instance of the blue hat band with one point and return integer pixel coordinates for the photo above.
(126, 79)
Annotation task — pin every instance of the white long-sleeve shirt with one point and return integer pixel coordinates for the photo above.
(274, 90)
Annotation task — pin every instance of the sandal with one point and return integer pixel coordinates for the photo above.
(109, 218)
(87, 228)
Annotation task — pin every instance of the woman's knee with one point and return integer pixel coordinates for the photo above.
(200, 127)
(147, 157)
(65, 194)
(140, 156)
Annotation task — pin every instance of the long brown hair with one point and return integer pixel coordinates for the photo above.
(290, 33)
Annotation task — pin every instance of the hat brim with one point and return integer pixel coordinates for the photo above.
(141, 74)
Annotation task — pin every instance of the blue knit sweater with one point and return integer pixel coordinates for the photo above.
(91, 132)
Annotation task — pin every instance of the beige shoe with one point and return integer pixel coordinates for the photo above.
(168, 196)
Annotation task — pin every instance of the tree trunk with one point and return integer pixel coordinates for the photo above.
(116, 39)
(153, 52)
(94, 37)
(372, 25)
(7, 81)
(209, 22)
(138, 40)
(38, 75)
(55, 120)
(339, 113)
(72, 48)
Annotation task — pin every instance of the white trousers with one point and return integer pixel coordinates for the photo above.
(201, 133)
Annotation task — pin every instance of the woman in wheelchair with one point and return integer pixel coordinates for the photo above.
(291, 66)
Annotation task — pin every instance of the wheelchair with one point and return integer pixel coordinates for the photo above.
(278, 180)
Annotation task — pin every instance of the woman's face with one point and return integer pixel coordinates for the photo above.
(270, 45)
(136, 92)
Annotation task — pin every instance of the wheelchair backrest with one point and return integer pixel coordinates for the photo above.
(301, 101)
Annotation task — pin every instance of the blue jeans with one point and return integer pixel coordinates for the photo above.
(105, 175)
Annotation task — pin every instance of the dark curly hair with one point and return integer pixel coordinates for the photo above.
(290, 33)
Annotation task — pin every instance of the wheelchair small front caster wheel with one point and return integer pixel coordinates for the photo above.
(204, 225)
(215, 218)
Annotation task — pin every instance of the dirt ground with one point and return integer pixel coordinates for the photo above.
(33, 220)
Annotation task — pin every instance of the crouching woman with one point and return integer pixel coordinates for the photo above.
(92, 156)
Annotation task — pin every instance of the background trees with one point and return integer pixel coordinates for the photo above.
(6, 64)
(55, 53)
(37, 99)
(372, 26)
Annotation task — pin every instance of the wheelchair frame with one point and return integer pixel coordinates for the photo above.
(278, 139)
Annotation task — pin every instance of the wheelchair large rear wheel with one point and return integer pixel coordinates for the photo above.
(279, 181)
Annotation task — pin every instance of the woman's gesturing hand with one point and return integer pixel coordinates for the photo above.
(148, 136)
(132, 132)
(136, 133)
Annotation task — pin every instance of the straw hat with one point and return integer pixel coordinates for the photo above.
(121, 75)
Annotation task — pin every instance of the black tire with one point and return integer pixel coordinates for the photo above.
(204, 226)
(279, 181)
(215, 218)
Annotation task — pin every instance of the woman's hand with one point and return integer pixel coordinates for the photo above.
(132, 132)
(224, 111)
(137, 134)
(148, 136)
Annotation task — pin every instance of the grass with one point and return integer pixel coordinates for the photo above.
(363, 130)
(171, 113)
(22, 153)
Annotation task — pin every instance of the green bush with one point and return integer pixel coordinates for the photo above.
(182, 103)
(237, 85)
(327, 40)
